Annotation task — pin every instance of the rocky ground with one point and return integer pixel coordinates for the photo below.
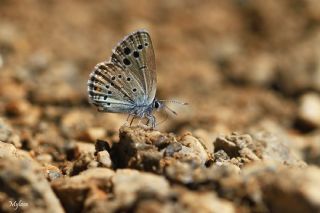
(249, 140)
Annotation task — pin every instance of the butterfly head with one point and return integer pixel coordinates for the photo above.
(157, 105)
(160, 104)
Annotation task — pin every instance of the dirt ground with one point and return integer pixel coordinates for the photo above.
(248, 141)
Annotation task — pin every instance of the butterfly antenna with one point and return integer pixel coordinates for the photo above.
(174, 101)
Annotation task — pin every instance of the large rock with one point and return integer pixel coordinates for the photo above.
(24, 188)
(152, 151)
(103, 190)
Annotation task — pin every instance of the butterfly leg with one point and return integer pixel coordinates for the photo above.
(128, 117)
(152, 120)
(132, 120)
(127, 120)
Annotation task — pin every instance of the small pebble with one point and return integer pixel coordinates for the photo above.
(309, 110)
(103, 157)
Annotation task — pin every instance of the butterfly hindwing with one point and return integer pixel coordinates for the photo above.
(110, 88)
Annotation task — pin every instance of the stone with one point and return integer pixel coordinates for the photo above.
(74, 191)
(104, 159)
(23, 182)
(263, 146)
(8, 151)
(281, 187)
(239, 149)
(7, 134)
(309, 109)
(152, 151)
(205, 202)
(92, 134)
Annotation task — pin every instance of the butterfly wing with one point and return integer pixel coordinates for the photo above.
(136, 56)
(111, 89)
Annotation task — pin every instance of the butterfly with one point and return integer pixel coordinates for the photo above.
(127, 83)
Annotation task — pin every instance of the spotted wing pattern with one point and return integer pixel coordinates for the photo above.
(127, 81)
(135, 54)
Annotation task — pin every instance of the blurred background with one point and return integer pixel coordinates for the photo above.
(242, 65)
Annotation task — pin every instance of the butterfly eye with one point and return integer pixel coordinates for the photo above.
(156, 104)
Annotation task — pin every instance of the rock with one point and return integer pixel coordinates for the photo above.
(261, 146)
(8, 151)
(206, 138)
(205, 202)
(102, 145)
(277, 149)
(152, 151)
(7, 134)
(52, 172)
(92, 134)
(85, 148)
(154, 206)
(23, 182)
(188, 175)
(75, 122)
(17, 107)
(9, 85)
(74, 191)
(278, 189)
(85, 160)
(82, 156)
(239, 149)
(23, 113)
(309, 109)
(172, 149)
(44, 158)
(92, 190)
(104, 159)
(129, 184)
(74, 149)
(310, 148)
(197, 149)
(137, 149)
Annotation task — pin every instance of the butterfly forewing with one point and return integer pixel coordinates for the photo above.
(135, 54)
